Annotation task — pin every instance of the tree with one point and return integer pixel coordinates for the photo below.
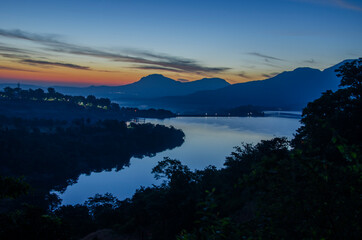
(12, 187)
(91, 100)
(9, 92)
(174, 171)
(335, 116)
(104, 102)
(314, 190)
(51, 92)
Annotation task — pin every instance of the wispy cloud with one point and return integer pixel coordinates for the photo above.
(25, 57)
(348, 5)
(58, 64)
(343, 4)
(16, 33)
(168, 63)
(14, 56)
(156, 68)
(269, 75)
(271, 65)
(265, 57)
(244, 75)
(4, 48)
(164, 57)
(311, 61)
(173, 62)
(15, 69)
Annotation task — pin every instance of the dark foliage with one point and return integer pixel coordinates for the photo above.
(39, 104)
(52, 154)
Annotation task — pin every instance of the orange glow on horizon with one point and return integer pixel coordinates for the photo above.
(69, 76)
(76, 77)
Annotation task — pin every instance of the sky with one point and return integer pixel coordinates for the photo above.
(116, 42)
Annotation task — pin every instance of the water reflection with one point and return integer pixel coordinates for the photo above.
(208, 141)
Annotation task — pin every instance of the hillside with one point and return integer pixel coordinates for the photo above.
(290, 90)
(152, 86)
(16, 102)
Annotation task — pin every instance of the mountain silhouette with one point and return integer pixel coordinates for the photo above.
(151, 86)
(290, 90)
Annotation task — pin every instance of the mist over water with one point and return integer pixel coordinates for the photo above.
(208, 141)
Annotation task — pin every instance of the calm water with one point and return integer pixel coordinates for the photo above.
(208, 141)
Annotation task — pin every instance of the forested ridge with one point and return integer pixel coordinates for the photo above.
(50, 155)
(37, 103)
(306, 188)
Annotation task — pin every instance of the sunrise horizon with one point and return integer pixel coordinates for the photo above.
(118, 43)
(46, 82)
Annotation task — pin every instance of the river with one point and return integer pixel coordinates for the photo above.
(208, 141)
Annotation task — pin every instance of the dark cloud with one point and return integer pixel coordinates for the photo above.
(167, 63)
(270, 74)
(24, 56)
(107, 71)
(15, 69)
(156, 68)
(18, 53)
(244, 75)
(311, 61)
(183, 64)
(4, 48)
(251, 66)
(170, 63)
(14, 56)
(159, 57)
(19, 34)
(47, 63)
(271, 65)
(266, 57)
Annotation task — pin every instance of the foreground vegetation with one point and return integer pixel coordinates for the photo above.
(309, 188)
(50, 155)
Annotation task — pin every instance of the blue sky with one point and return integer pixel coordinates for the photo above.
(236, 40)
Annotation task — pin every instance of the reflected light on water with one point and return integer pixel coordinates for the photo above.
(208, 141)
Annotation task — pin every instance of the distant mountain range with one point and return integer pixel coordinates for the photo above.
(290, 90)
(152, 86)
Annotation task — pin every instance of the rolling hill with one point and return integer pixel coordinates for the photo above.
(152, 86)
(290, 90)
